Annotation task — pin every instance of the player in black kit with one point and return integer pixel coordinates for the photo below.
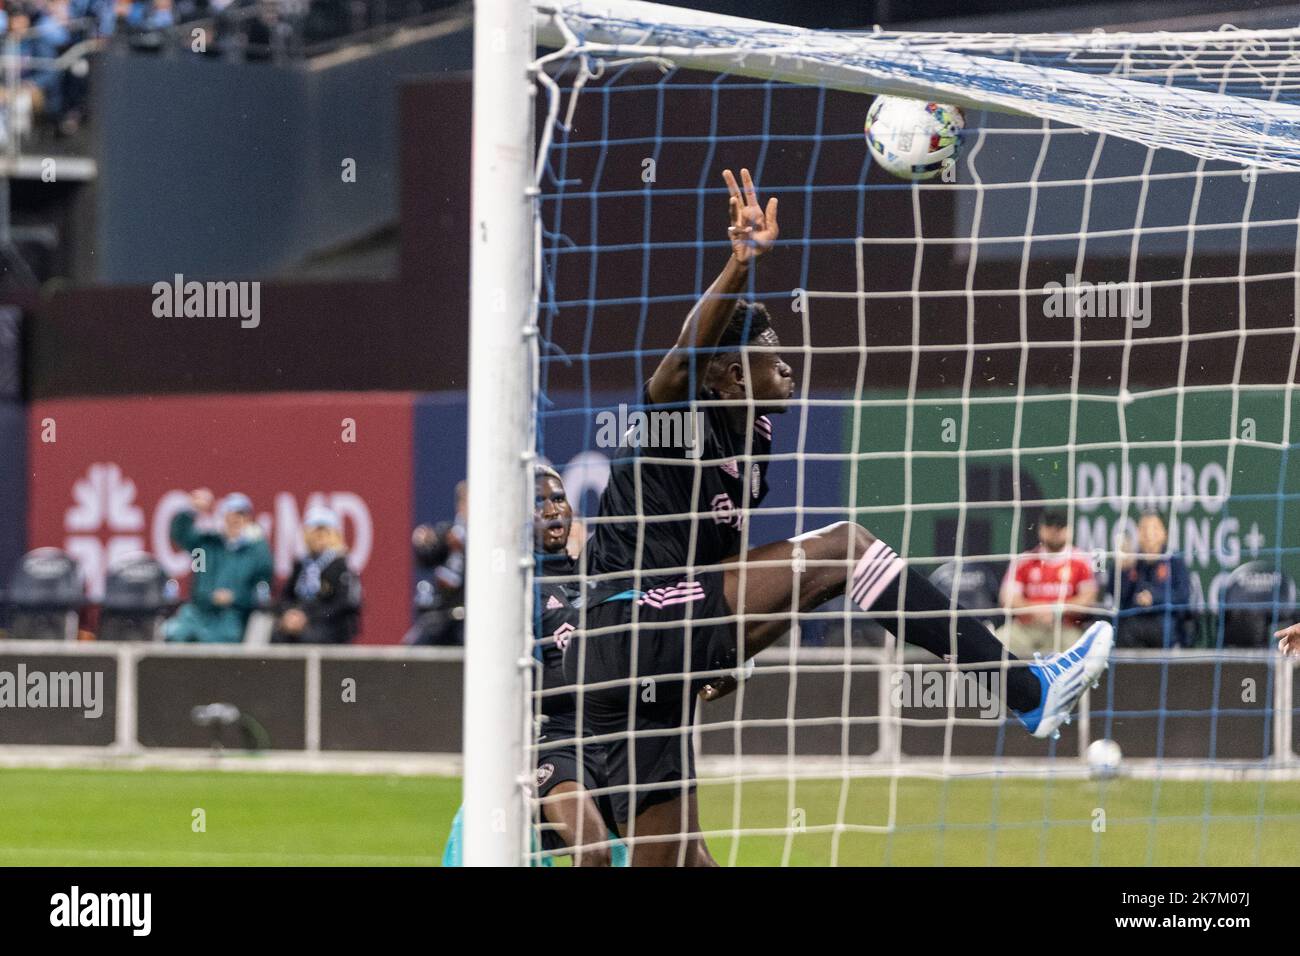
(566, 769)
(674, 604)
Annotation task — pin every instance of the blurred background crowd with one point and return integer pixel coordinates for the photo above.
(54, 36)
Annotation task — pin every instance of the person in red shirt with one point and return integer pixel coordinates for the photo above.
(1047, 591)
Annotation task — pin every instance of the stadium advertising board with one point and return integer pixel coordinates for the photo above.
(1214, 466)
(106, 477)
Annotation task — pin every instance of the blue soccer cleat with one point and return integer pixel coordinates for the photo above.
(1065, 676)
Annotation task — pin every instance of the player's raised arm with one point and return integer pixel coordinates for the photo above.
(752, 232)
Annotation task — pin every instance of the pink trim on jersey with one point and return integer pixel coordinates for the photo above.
(684, 593)
(875, 570)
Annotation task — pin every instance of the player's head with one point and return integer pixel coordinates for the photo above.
(552, 513)
(322, 529)
(1152, 534)
(236, 512)
(1053, 529)
(767, 379)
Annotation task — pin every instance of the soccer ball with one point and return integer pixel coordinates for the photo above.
(1104, 758)
(913, 139)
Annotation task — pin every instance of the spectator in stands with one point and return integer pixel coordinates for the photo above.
(442, 548)
(321, 602)
(1045, 590)
(85, 15)
(46, 37)
(160, 16)
(1155, 588)
(232, 570)
(246, 29)
(115, 17)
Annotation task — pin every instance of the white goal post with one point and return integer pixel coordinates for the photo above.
(498, 551)
(1206, 102)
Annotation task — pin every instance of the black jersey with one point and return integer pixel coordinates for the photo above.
(707, 494)
(555, 617)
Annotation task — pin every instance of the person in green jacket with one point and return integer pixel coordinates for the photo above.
(232, 571)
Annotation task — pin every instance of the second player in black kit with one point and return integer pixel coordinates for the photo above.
(567, 767)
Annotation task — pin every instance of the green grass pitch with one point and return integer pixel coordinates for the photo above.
(146, 818)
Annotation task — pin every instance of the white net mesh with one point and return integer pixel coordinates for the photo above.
(1093, 312)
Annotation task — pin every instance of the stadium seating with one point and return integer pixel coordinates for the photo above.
(976, 588)
(138, 597)
(45, 596)
(1256, 600)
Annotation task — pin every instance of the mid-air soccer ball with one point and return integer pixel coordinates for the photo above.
(911, 138)
(1104, 758)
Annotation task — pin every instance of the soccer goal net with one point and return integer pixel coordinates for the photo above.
(1056, 379)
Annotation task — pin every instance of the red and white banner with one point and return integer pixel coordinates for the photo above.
(106, 475)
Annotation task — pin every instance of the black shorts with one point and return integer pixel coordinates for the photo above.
(653, 660)
(560, 762)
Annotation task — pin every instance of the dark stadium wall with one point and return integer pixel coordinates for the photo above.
(311, 336)
(13, 487)
(604, 224)
(13, 439)
(407, 332)
(234, 171)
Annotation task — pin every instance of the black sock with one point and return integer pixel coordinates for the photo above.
(875, 588)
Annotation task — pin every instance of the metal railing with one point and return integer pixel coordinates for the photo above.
(1278, 709)
(129, 655)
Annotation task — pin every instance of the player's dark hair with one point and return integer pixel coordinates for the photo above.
(748, 322)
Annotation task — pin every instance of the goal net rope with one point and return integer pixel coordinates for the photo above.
(1093, 311)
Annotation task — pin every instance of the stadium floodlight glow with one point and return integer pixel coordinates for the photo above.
(1215, 116)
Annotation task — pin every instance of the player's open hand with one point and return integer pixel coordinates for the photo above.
(753, 229)
(1289, 640)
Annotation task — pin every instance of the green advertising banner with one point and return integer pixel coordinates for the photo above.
(1215, 463)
